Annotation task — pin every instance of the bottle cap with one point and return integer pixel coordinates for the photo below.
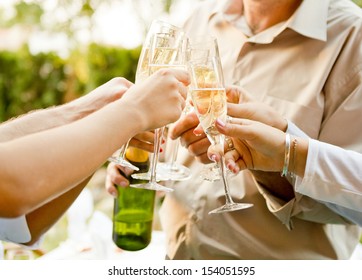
(136, 155)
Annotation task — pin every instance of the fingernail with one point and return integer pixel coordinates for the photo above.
(196, 133)
(213, 158)
(113, 193)
(220, 123)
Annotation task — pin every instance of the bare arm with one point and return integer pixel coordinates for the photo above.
(44, 119)
(43, 218)
(80, 147)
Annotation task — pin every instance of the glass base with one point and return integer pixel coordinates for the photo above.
(174, 171)
(152, 186)
(146, 176)
(229, 207)
(122, 162)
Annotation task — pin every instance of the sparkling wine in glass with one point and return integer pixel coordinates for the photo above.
(202, 48)
(209, 98)
(165, 51)
(141, 74)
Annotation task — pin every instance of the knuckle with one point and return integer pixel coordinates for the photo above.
(164, 72)
(119, 80)
(194, 149)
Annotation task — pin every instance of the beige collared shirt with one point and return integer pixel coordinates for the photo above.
(310, 69)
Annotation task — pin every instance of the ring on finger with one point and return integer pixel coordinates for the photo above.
(229, 144)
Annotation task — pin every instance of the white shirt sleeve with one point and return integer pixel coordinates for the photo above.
(292, 129)
(332, 175)
(14, 230)
(350, 214)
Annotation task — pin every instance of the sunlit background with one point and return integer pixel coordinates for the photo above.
(57, 25)
(52, 51)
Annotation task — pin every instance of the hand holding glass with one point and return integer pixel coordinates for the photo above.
(209, 98)
(141, 74)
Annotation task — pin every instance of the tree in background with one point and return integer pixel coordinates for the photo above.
(31, 80)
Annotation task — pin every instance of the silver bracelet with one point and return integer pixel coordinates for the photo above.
(286, 155)
(294, 159)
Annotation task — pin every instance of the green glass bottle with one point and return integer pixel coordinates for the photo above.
(133, 208)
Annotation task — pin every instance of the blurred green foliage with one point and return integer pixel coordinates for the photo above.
(358, 2)
(29, 82)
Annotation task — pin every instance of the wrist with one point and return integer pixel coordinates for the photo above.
(295, 156)
(81, 107)
(134, 114)
(287, 155)
(302, 154)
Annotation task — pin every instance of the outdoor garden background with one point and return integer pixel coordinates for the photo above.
(54, 51)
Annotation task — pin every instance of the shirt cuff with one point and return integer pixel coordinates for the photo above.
(14, 230)
(292, 129)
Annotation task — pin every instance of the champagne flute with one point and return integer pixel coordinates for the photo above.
(166, 51)
(202, 48)
(142, 73)
(157, 26)
(209, 99)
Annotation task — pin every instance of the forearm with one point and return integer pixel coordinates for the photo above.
(40, 120)
(64, 156)
(55, 160)
(43, 218)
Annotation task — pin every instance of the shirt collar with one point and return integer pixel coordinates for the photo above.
(310, 19)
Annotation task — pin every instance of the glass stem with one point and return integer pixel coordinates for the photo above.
(229, 200)
(158, 135)
(174, 154)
